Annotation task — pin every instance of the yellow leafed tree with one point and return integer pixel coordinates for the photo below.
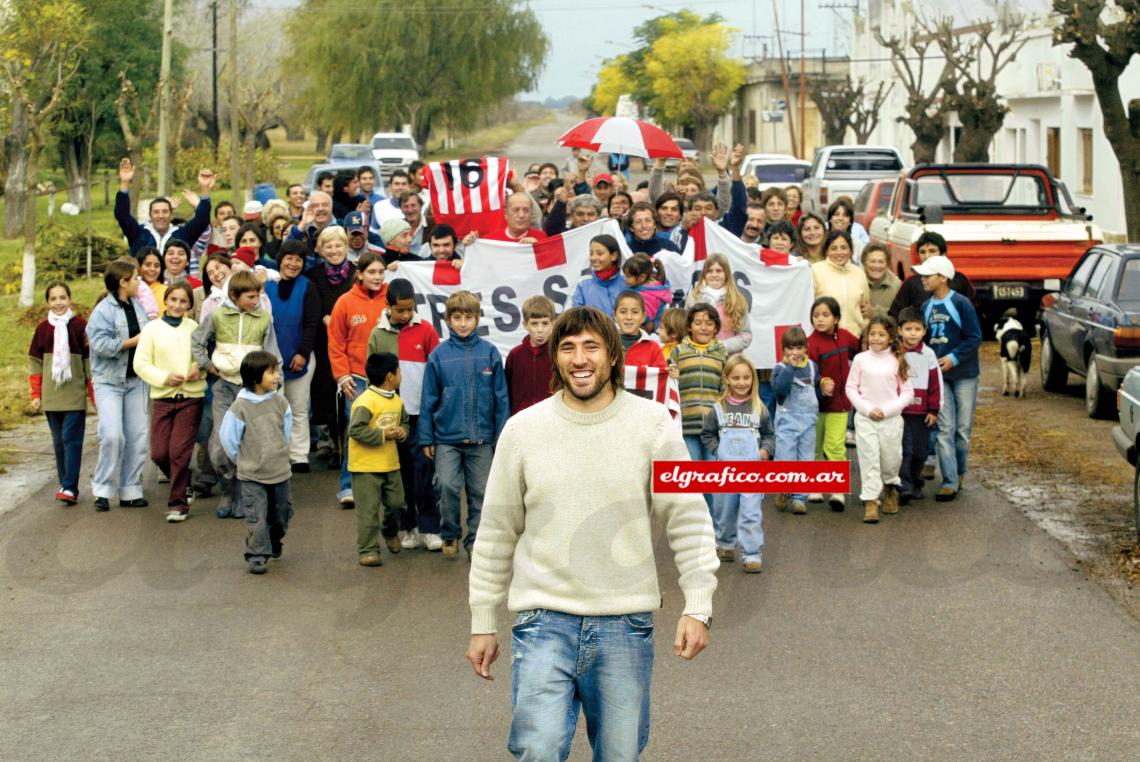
(613, 82)
(692, 78)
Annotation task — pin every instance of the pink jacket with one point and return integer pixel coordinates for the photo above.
(874, 383)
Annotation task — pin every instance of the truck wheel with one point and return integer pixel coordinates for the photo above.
(1054, 374)
(1136, 497)
(1098, 399)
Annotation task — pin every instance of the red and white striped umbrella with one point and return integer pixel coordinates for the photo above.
(620, 134)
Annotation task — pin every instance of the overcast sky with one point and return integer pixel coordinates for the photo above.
(585, 32)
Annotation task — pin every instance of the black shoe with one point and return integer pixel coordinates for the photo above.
(136, 503)
(102, 504)
(300, 468)
(904, 497)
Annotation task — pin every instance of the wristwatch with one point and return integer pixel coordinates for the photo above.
(702, 618)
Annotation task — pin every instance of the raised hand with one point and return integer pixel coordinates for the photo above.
(206, 180)
(720, 158)
(126, 172)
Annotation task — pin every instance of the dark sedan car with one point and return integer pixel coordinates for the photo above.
(1091, 326)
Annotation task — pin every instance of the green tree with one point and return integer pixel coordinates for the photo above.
(613, 82)
(126, 35)
(41, 41)
(1105, 42)
(698, 92)
(416, 61)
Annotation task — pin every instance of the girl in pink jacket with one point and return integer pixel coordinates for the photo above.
(879, 388)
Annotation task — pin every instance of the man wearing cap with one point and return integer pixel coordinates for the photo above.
(357, 235)
(954, 333)
(603, 188)
(251, 212)
(158, 230)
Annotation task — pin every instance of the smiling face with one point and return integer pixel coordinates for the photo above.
(812, 232)
(795, 355)
(296, 197)
(775, 209)
(176, 303)
(150, 268)
(442, 249)
(176, 261)
(333, 250)
(629, 315)
(702, 329)
(780, 242)
(58, 300)
(583, 364)
(217, 273)
(706, 209)
(642, 225)
(755, 224)
(793, 195)
(583, 214)
(367, 181)
(878, 338)
(669, 213)
(840, 219)
(412, 207)
(839, 252)
(875, 264)
(291, 266)
(270, 380)
(601, 258)
(160, 215)
(740, 381)
(714, 275)
(320, 204)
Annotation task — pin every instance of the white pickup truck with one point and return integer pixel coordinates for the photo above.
(843, 171)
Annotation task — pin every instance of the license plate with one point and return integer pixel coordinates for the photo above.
(1007, 291)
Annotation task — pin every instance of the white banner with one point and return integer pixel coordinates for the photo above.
(505, 274)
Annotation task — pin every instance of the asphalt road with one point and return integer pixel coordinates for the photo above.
(952, 631)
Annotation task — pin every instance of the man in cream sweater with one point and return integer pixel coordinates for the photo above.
(567, 527)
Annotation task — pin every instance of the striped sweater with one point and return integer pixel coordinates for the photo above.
(925, 379)
(701, 380)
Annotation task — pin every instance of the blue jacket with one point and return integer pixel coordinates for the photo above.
(737, 215)
(464, 398)
(106, 332)
(139, 236)
(592, 291)
(953, 330)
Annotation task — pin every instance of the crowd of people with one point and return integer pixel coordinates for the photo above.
(246, 348)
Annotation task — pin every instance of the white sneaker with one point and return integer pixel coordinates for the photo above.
(850, 438)
(409, 539)
(432, 542)
(175, 516)
(815, 497)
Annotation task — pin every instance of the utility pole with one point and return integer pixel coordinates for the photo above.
(235, 136)
(788, 112)
(214, 79)
(803, 88)
(164, 107)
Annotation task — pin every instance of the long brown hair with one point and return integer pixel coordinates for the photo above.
(735, 305)
(895, 345)
(578, 320)
(118, 271)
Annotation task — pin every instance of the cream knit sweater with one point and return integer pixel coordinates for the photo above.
(568, 514)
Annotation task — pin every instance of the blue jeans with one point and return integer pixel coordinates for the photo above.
(459, 467)
(955, 426)
(737, 518)
(697, 451)
(562, 663)
(345, 477)
(795, 437)
(122, 439)
(67, 428)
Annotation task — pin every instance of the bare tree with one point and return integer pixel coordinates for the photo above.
(1106, 45)
(139, 127)
(926, 107)
(979, 54)
(836, 101)
(866, 116)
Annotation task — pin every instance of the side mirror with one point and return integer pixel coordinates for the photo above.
(931, 214)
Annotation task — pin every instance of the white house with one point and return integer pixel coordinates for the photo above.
(1054, 117)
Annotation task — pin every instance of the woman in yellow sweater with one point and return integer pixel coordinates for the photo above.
(163, 360)
(841, 279)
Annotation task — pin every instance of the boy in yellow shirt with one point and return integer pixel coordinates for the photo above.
(377, 422)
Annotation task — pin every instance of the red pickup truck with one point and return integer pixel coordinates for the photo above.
(1008, 227)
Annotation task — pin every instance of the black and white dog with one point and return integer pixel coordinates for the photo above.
(1015, 352)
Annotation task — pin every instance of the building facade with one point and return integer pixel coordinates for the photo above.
(1054, 118)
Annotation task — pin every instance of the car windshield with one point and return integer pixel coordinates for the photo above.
(992, 192)
(351, 152)
(398, 143)
(1129, 290)
(864, 161)
(781, 173)
(684, 144)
